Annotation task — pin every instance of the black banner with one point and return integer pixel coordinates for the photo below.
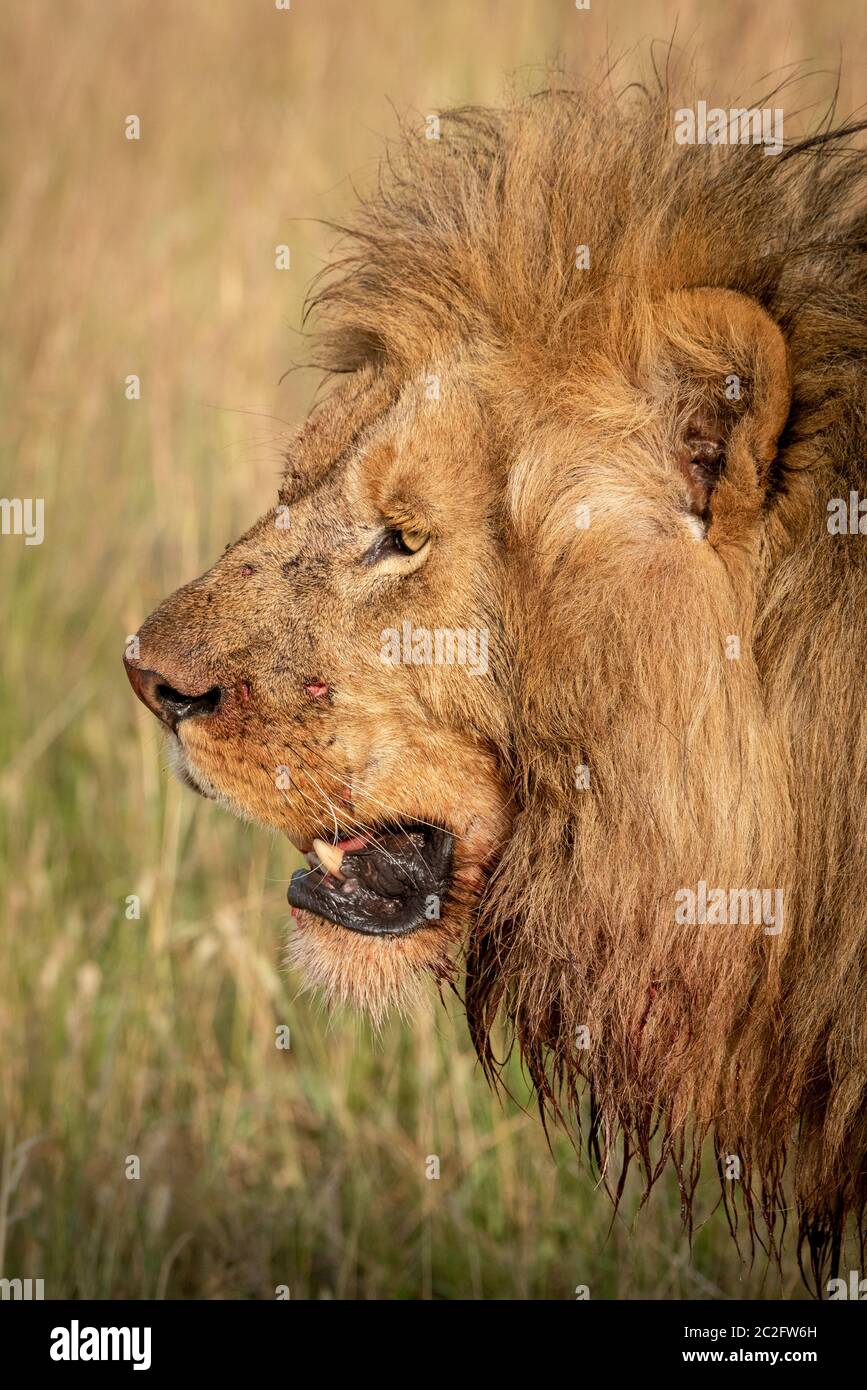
(74, 1339)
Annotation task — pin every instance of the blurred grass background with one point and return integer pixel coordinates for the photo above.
(155, 1037)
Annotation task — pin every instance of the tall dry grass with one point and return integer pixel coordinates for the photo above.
(155, 1037)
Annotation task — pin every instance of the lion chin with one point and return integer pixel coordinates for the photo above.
(373, 975)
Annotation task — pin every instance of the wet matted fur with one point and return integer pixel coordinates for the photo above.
(675, 694)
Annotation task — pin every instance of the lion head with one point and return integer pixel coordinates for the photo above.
(548, 655)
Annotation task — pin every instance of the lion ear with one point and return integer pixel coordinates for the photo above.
(732, 389)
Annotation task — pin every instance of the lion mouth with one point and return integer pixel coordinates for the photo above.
(387, 883)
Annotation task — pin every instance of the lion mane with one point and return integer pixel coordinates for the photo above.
(752, 1043)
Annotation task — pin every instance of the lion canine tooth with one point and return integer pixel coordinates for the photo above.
(329, 856)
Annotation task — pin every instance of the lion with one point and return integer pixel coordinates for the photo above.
(550, 654)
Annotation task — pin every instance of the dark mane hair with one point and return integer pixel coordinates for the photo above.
(472, 235)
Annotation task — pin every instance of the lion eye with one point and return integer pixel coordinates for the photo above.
(394, 543)
(407, 542)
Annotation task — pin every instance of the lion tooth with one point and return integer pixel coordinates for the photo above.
(329, 856)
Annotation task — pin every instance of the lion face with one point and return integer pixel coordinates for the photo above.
(334, 676)
(364, 667)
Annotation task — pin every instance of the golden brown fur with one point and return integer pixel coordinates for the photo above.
(560, 389)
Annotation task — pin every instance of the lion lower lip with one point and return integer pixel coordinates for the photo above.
(390, 886)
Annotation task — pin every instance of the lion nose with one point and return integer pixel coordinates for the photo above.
(167, 703)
